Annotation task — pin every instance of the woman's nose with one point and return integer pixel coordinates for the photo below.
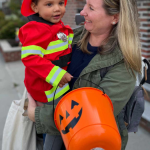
(83, 12)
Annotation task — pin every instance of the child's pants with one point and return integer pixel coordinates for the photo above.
(53, 142)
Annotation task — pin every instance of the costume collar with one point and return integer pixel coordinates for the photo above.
(35, 17)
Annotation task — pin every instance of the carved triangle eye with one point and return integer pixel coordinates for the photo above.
(73, 103)
(67, 114)
(60, 118)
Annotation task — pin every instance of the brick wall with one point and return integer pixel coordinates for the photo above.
(71, 10)
(11, 56)
(73, 7)
(144, 13)
(80, 5)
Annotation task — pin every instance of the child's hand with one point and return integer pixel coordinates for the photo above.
(65, 79)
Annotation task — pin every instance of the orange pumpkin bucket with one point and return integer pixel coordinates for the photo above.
(85, 120)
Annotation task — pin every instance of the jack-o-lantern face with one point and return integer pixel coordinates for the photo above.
(74, 121)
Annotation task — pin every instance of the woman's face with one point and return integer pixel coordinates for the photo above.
(96, 19)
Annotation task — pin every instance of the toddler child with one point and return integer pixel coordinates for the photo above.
(46, 52)
(46, 49)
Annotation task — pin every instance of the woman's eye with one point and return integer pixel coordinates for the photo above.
(91, 8)
(49, 4)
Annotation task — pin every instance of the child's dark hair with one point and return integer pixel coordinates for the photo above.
(35, 1)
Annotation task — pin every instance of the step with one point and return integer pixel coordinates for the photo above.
(10, 53)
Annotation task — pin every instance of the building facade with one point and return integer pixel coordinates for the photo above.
(144, 15)
(75, 6)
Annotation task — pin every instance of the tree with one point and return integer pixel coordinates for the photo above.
(15, 6)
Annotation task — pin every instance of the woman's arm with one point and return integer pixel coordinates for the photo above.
(119, 84)
(31, 108)
(41, 115)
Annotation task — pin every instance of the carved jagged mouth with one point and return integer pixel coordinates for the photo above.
(72, 123)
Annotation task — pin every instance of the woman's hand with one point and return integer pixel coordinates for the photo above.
(31, 107)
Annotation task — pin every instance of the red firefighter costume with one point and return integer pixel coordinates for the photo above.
(45, 57)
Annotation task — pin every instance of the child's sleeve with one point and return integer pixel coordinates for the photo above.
(35, 39)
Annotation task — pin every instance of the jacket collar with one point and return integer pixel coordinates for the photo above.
(99, 61)
(103, 61)
(35, 17)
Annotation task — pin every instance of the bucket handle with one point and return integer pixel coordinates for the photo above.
(79, 85)
(90, 82)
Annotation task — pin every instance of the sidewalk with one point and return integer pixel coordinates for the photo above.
(12, 87)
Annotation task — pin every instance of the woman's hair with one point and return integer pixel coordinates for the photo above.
(124, 34)
(35, 1)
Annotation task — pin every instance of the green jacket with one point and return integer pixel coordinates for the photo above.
(118, 84)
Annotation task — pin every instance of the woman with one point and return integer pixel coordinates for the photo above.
(109, 38)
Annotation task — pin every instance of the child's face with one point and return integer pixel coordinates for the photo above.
(50, 10)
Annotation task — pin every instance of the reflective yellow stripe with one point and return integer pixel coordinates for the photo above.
(56, 42)
(59, 45)
(71, 35)
(53, 47)
(61, 48)
(32, 50)
(59, 92)
(70, 42)
(59, 41)
(55, 75)
(70, 38)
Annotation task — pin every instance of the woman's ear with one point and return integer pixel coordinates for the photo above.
(115, 19)
(34, 7)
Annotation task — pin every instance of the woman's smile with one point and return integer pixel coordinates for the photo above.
(87, 21)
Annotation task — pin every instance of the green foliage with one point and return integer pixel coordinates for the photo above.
(2, 16)
(15, 6)
(8, 31)
(3, 23)
(11, 17)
